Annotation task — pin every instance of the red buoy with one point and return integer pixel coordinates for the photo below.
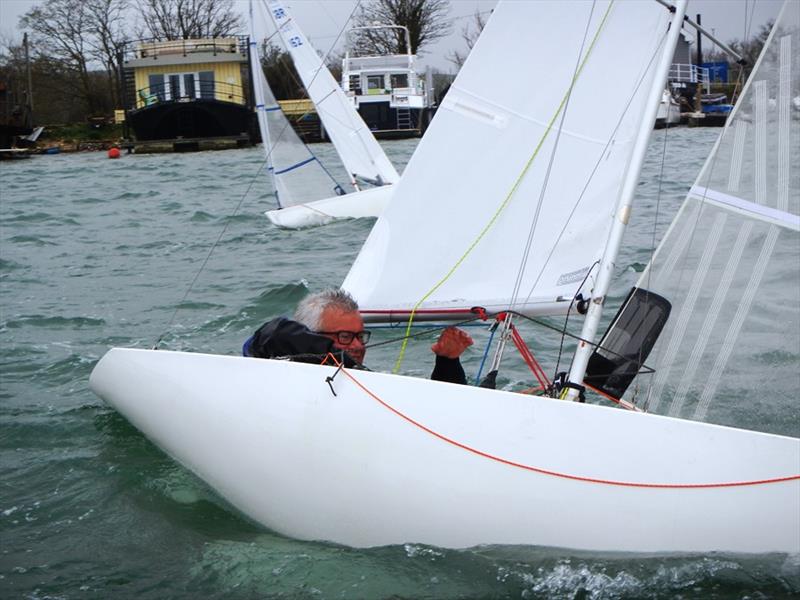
(113, 153)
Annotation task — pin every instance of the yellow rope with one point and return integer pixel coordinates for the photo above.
(508, 197)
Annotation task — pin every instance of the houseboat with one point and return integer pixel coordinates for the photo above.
(191, 94)
(389, 94)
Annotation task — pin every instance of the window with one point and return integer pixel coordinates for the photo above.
(156, 83)
(355, 83)
(188, 85)
(174, 89)
(207, 84)
(399, 80)
(174, 86)
(374, 84)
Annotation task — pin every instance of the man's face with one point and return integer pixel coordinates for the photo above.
(334, 321)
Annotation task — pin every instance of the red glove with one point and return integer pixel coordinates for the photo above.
(452, 343)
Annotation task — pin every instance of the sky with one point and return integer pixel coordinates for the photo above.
(323, 20)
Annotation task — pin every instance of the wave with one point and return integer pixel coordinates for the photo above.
(52, 322)
(31, 239)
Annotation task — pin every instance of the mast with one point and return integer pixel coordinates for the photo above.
(256, 77)
(696, 24)
(28, 71)
(622, 213)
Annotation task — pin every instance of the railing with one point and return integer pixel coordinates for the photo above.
(153, 48)
(685, 73)
(366, 63)
(202, 90)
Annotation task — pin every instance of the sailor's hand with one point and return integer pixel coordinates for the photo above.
(452, 343)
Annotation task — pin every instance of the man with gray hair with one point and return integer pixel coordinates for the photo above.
(329, 322)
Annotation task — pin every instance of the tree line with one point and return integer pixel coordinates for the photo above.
(76, 45)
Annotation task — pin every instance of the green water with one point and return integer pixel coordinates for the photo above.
(97, 253)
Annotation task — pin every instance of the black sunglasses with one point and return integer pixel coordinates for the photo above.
(345, 338)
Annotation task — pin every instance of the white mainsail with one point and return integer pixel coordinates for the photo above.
(360, 152)
(505, 161)
(730, 263)
(297, 175)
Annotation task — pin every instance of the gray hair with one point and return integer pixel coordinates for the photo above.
(309, 311)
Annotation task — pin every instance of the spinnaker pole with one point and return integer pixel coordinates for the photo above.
(623, 211)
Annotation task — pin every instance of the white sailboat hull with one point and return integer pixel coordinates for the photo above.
(669, 111)
(274, 441)
(365, 203)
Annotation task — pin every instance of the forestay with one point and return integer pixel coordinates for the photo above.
(456, 233)
(361, 154)
(297, 174)
(729, 263)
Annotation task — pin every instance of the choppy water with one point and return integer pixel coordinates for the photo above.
(97, 253)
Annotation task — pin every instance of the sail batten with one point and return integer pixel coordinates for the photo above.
(751, 209)
(736, 305)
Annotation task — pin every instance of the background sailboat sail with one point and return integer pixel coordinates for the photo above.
(729, 263)
(535, 159)
(307, 193)
(297, 174)
(361, 154)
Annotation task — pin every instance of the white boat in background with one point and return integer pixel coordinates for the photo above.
(307, 194)
(669, 111)
(392, 459)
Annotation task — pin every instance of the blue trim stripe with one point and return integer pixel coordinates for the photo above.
(297, 166)
(272, 108)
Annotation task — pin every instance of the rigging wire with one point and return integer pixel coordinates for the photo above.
(538, 209)
(431, 329)
(228, 221)
(283, 130)
(353, 126)
(566, 319)
(596, 167)
(705, 175)
(649, 272)
(280, 135)
(507, 198)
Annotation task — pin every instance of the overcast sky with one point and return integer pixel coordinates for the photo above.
(323, 20)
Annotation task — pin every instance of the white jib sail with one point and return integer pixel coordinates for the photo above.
(361, 154)
(297, 175)
(729, 262)
(466, 206)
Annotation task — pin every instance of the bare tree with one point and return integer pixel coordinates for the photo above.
(426, 21)
(749, 50)
(60, 29)
(107, 18)
(280, 72)
(470, 34)
(74, 38)
(185, 19)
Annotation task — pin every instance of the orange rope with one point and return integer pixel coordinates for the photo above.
(556, 473)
